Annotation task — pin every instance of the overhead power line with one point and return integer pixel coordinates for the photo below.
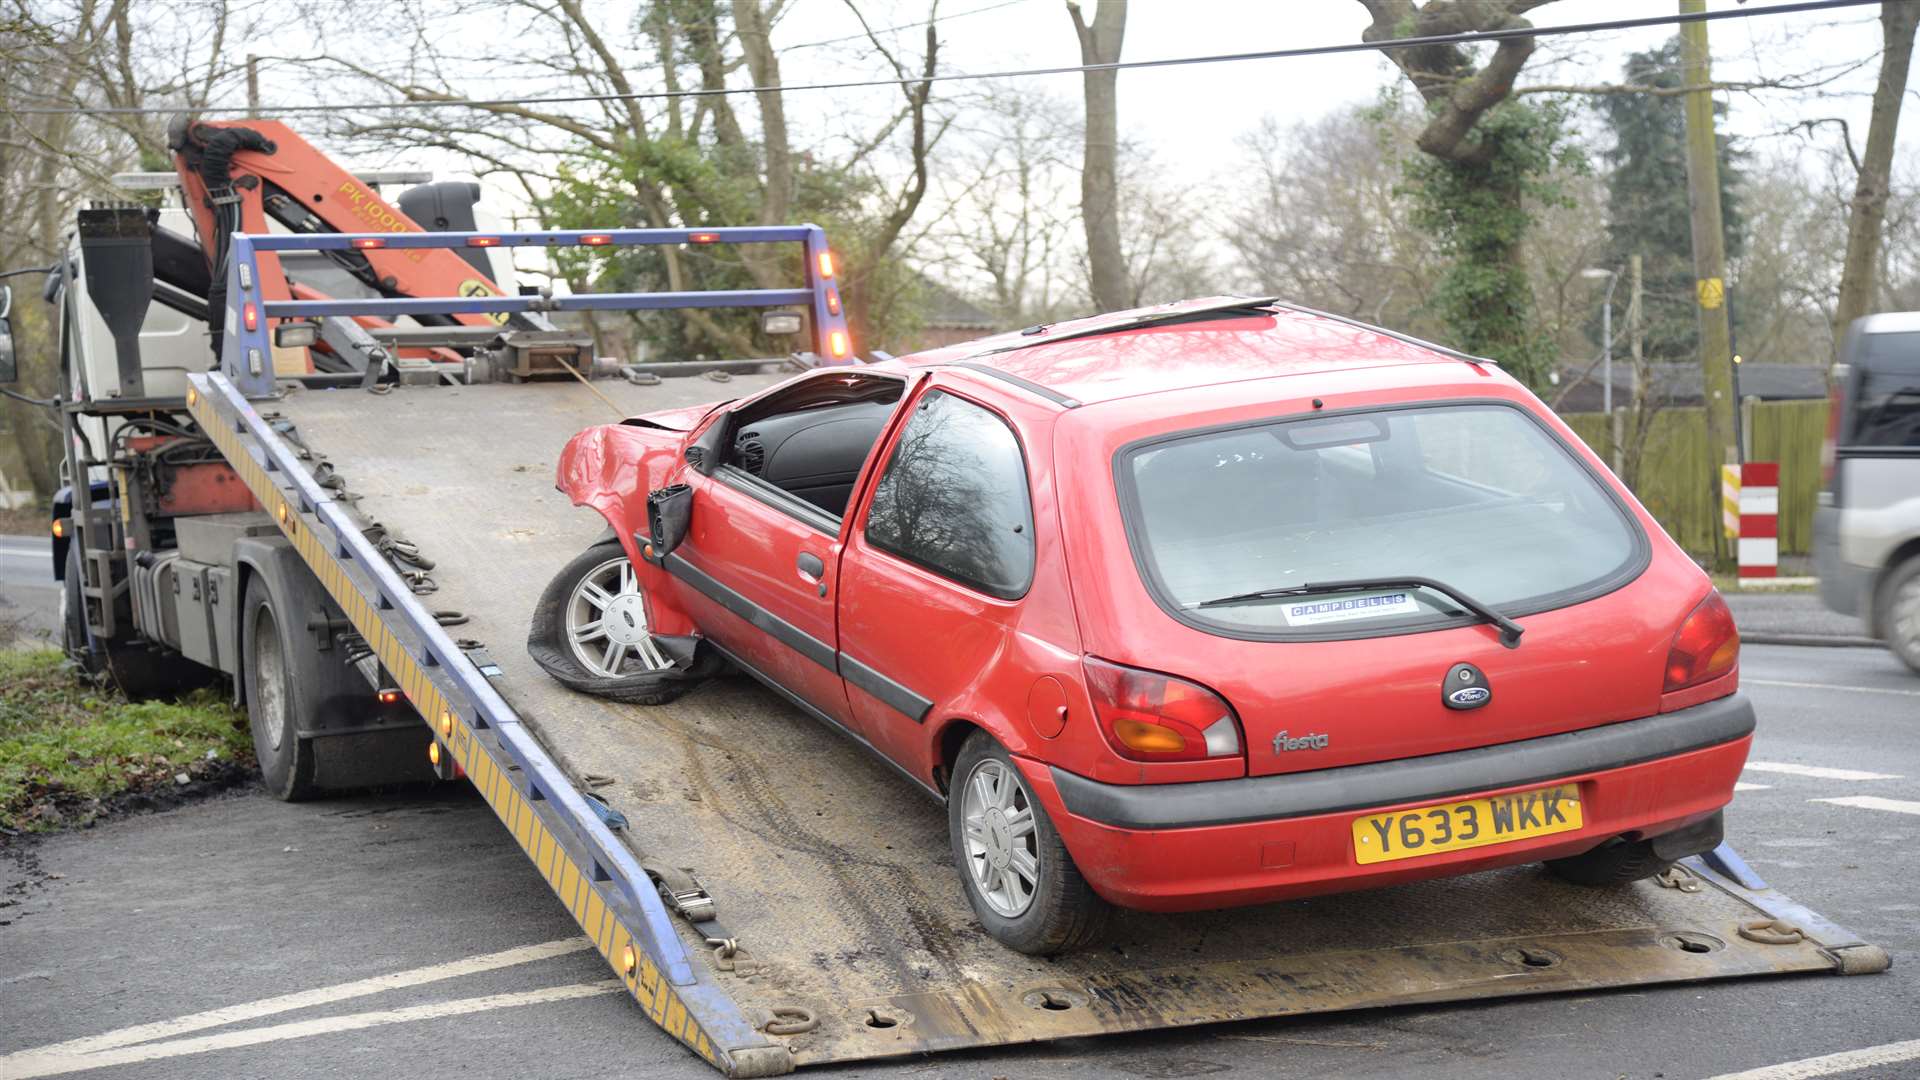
(1471, 38)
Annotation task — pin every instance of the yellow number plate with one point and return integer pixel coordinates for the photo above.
(1431, 830)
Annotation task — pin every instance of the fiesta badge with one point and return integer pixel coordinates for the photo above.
(1465, 687)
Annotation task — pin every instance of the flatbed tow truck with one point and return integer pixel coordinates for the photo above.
(772, 896)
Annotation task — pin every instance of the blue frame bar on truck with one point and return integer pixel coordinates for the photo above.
(596, 877)
(247, 353)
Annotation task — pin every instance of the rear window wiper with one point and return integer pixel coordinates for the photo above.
(1510, 631)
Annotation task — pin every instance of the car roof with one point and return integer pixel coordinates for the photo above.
(1890, 322)
(1180, 346)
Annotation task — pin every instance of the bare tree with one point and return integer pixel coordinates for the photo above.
(1005, 226)
(1875, 167)
(1317, 213)
(61, 58)
(678, 160)
(1099, 181)
(1457, 94)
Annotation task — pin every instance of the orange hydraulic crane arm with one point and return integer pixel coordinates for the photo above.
(238, 176)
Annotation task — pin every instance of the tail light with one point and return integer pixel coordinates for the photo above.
(483, 241)
(1147, 716)
(596, 239)
(366, 243)
(1707, 645)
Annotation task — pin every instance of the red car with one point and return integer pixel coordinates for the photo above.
(1203, 605)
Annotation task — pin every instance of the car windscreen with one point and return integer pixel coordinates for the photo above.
(1482, 497)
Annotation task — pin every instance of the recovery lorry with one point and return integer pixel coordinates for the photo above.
(349, 511)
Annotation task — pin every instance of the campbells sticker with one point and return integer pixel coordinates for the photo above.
(1347, 608)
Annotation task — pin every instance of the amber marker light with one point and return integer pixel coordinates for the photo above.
(446, 725)
(826, 264)
(483, 241)
(629, 960)
(388, 697)
(837, 343)
(703, 238)
(366, 243)
(596, 240)
(193, 397)
(433, 753)
(59, 529)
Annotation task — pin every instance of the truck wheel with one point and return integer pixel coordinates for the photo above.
(590, 632)
(1902, 608)
(1022, 883)
(1614, 863)
(271, 652)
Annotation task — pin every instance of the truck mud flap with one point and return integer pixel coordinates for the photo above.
(846, 934)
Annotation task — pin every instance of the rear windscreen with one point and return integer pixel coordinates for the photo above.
(1481, 497)
(1886, 404)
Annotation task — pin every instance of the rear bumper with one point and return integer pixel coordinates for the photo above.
(1224, 843)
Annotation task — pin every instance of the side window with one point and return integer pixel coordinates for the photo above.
(1887, 412)
(954, 498)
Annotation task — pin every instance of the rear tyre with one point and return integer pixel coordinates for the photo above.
(590, 631)
(1616, 862)
(1019, 878)
(1902, 607)
(275, 691)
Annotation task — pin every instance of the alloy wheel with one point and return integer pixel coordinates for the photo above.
(606, 623)
(1002, 846)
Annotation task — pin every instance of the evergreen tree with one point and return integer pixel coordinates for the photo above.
(1647, 205)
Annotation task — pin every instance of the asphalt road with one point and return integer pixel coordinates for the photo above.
(233, 904)
(29, 597)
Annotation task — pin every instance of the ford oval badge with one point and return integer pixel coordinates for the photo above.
(1465, 687)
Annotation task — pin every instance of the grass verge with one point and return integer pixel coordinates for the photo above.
(70, 751)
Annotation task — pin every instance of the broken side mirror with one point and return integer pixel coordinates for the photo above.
(669, 512)
(9, 365)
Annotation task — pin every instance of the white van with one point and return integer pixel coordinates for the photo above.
(1866, 530)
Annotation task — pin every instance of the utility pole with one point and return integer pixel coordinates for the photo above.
(1709, 243)
(253, 86)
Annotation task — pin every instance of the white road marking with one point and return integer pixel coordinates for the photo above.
(35, 1063)
(253, 1010)
(1874, 802)
(1744, 786)
(1833, 686)
(1844, 1062)
(1819, 772)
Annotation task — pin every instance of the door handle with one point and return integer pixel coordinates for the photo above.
(811, 565)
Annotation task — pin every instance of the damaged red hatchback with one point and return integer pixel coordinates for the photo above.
(1204, 605)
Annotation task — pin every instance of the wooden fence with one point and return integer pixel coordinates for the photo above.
(1676, 471)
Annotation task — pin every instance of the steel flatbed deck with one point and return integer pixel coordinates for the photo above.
(830, 874)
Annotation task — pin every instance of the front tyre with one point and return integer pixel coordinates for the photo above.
(1022, 883)
(1902, 608)
(591, 632)
(275, 695)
